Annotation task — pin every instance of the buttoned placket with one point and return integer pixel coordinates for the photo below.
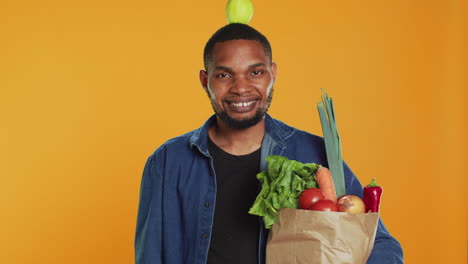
(270, 146)
(208, 211)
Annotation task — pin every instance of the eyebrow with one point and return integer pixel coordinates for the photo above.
(260, 64)
(225, 68)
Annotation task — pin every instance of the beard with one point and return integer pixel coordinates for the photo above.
(246, 122)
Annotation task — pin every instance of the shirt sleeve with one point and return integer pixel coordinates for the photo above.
(387, 250)
(148, 235)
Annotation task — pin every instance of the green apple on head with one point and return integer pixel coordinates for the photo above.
(239, 11)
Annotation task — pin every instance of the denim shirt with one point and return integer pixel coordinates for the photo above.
(178, 194)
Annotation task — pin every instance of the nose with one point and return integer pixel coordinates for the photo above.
(241, 85)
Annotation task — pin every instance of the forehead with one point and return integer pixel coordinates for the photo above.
(239, 51)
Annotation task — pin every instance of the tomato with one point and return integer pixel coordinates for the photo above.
(324, 205)
(309, 197)
(351, 204)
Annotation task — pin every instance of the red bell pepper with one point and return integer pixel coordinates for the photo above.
(372, 194)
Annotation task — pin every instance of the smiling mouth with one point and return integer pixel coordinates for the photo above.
(242, 104)
(242, 107)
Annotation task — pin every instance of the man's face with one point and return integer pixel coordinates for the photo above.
(239, 81)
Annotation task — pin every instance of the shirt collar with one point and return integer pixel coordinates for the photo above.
(277, 130)
(199, 137)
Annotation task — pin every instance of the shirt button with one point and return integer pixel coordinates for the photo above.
(207, 204)
(204, 236)
(211, 173)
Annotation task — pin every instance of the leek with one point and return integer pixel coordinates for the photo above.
(332, 142)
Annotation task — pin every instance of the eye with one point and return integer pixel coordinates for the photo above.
(222, 75)
(257, 72)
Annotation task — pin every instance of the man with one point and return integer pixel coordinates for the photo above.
(197, 188)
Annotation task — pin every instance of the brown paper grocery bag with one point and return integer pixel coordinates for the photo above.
(316, 237)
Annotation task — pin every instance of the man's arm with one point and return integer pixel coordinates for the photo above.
(148, 236)
(386, 248)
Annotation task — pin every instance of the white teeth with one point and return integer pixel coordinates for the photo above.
(242, 104)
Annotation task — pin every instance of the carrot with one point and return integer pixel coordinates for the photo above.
(324, 180)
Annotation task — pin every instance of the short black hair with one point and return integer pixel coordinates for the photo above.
(232, 32)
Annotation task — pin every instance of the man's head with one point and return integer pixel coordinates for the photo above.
(239, 75)
(232, 32)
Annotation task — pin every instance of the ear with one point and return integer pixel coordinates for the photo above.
(203, 75)
(274, 70)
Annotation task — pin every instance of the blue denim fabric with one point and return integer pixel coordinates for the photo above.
(178, 194)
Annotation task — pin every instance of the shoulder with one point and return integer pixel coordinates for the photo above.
(296, 143)
(292, 134)
(172, 152)
(306, 136)
(178, 143)
(185, 146)
(308, 145)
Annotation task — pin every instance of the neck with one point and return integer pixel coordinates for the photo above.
(237, 142)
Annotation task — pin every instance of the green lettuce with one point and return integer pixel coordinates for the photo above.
(282, 184)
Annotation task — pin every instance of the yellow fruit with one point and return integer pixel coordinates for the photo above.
(239, 11)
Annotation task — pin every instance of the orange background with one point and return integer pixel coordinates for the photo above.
(89, 89)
